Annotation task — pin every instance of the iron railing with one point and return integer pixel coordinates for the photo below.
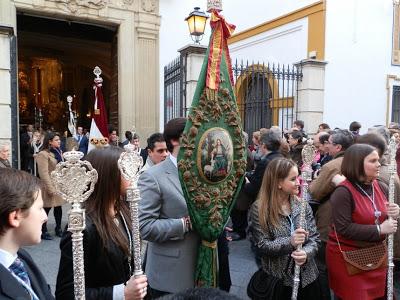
(173, 91)
(266, 94)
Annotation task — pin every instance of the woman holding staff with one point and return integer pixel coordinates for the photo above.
(360, 214)
(107, 239)
(274, 218)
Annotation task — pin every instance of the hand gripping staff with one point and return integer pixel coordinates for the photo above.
(307, 154)
(392, 172)
(74, 180)
(130, 163)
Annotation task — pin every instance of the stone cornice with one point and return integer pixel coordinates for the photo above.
(147, 25)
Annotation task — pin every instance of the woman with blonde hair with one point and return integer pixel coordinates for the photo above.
(276, 231)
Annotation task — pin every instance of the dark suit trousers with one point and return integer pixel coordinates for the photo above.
(239, 221)
(224, 276)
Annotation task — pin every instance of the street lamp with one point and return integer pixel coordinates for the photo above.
(197, 24)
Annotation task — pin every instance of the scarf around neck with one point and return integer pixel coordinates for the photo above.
(57, 153)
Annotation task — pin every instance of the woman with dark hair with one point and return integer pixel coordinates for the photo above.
(360, 214)
(276, 231)
(296, 144)
(107, 238)
(47, 159)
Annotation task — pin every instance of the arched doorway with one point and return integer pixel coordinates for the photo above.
(56, 59)
(255, 88)
(266, 95)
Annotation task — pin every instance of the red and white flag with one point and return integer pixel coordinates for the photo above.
(98, 130)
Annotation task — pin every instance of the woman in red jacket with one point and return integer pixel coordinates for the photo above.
(360, 214)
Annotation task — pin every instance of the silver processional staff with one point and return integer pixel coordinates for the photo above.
(130, 163)
(74, 180)
(392, 172)
(307, 154)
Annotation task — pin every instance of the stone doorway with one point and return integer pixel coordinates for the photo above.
(56, 59)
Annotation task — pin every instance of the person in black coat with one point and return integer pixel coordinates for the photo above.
(25, 151)
(107, 239)
(142, 152)
(22, 215)
(269, 143)
(82, 140)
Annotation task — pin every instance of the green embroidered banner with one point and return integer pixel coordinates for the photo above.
(212, 158)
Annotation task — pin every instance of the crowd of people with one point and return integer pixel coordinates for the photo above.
(347, 210)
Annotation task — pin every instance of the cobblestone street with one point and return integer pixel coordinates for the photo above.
(242, 263)
(47, 256)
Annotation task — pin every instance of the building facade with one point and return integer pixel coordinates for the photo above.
(40, 64)
(358, 41)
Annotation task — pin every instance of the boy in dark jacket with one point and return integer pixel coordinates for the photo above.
(21, 219)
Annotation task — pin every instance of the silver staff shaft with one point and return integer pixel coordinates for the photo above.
(77, 214)
(296, 279)
(307, 154)
(74, 181)
(392, 172)
(133, 198)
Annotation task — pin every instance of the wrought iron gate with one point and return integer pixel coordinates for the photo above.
(173, 89)
(266, 93)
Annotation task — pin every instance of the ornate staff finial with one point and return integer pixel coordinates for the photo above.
(214, 5)
(97, 71)
(74, 180)
(130, 163)
(307, 155)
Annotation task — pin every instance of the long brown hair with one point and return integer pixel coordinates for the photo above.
(270, 206)
(106, 194)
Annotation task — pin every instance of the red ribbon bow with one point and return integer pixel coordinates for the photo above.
(222, 30)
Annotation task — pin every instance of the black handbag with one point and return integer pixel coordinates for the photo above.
(263, 286)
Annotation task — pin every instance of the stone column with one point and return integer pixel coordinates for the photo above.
(7, 30)
(147, 93)
(310, 97)
(192, 57)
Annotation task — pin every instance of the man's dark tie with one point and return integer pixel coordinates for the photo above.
(18, 268)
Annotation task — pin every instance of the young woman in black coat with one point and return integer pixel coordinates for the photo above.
(107, 239)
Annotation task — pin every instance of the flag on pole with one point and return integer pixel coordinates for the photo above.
(98, 129)
(71, 118)
(212, 158)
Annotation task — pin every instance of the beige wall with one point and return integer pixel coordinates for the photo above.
(138, 24)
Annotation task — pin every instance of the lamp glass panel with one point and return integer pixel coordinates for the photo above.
(191, 24)
(200, 25)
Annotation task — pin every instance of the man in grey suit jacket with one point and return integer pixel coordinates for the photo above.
(165, 224)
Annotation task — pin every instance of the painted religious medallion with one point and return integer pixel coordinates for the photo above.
(215, 155)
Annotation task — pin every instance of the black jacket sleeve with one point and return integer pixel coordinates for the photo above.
(253, 187)
(65, 277)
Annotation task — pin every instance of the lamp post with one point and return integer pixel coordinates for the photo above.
(197, 23)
